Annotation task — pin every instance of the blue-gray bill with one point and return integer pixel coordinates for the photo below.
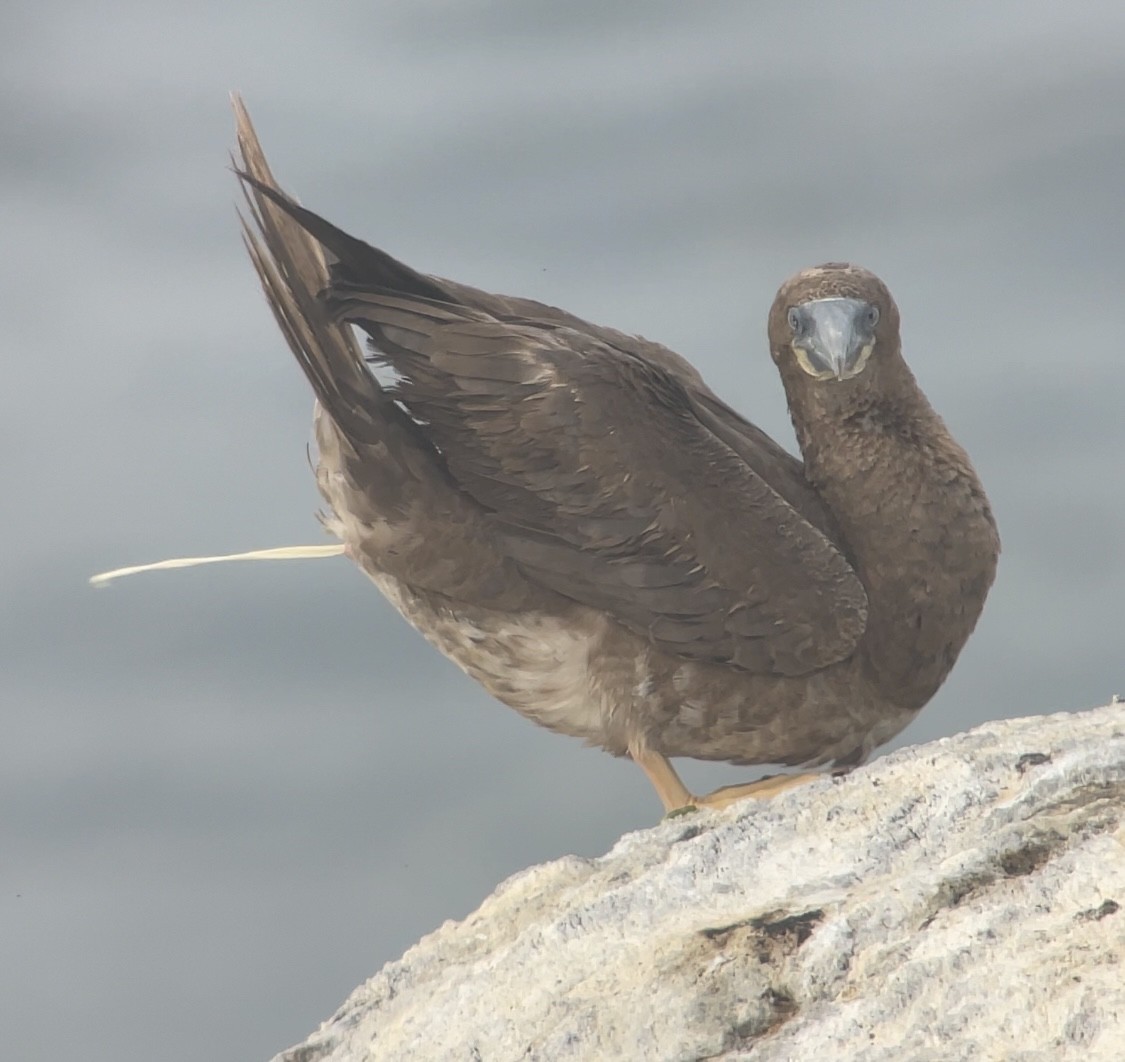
(833, 338)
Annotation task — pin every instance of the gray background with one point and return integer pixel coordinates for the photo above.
(229, 795)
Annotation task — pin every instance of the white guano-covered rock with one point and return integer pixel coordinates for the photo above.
(958, 900)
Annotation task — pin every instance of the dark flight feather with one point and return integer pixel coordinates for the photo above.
(564, 438)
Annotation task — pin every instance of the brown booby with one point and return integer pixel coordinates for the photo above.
(572, 516)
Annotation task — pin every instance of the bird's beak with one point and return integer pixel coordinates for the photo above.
(835, 339)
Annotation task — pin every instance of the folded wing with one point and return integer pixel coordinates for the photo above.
(598, 469)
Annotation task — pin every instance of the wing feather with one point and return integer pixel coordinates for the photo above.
(611, 473)
(608, 487)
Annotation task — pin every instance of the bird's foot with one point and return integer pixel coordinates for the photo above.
(762, 789)
(678, 800)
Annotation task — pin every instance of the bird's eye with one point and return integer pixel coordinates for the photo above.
(872, 316)
(794, 319)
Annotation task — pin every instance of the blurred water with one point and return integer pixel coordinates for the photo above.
(227, 796)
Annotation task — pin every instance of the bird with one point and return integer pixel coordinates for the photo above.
(572, 516)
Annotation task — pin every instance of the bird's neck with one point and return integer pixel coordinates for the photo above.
(917, 526)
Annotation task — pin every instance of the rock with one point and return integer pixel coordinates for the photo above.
(958, 900)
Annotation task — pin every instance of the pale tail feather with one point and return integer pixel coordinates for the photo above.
(279, 553)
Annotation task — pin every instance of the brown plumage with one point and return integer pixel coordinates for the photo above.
(572, 516)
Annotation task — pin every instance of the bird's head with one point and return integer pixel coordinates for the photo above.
(831, 325)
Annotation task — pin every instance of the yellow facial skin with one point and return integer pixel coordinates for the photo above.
(802, 357)
(833, 337)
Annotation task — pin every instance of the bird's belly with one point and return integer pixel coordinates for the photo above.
(534, 662)
(832, 716)
(578, 673)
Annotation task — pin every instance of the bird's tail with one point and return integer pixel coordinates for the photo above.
(291, 267)
(278, 553)
(287, 245)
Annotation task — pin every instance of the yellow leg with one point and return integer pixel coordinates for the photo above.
(675, 796)
(672, 792)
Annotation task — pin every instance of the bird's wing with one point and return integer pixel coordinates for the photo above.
(596, 466)
(772, 462)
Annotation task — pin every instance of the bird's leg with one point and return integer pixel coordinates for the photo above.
(672, 792)
(675, 796)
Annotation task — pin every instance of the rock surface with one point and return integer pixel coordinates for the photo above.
(958, 900)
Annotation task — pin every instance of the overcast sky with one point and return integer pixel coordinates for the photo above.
(227, 796)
